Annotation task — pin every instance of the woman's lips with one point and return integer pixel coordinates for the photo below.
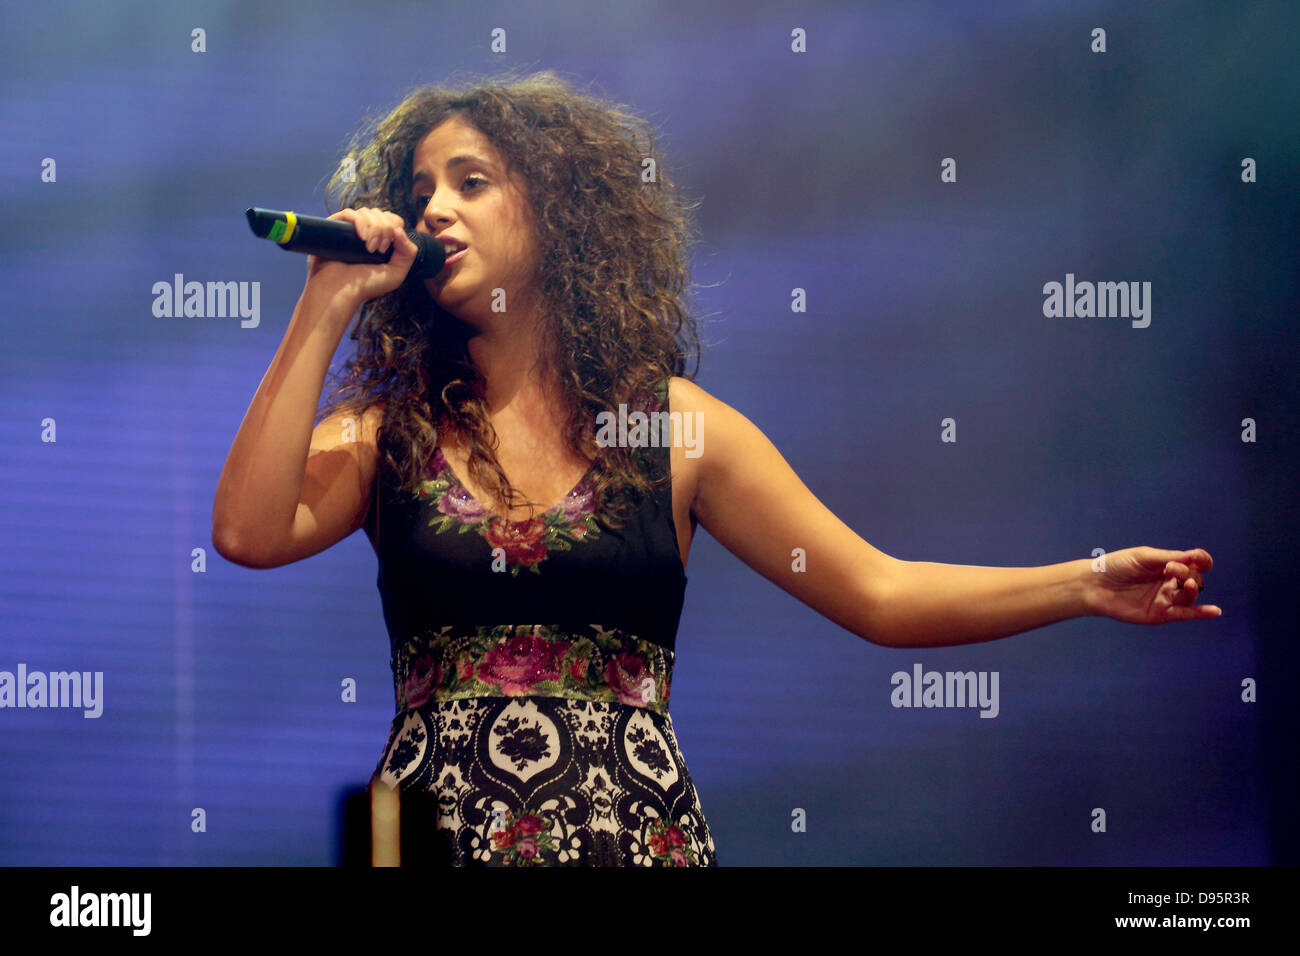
(455, 257)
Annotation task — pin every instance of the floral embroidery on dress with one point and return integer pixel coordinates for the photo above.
(533, 660)
(668, 845)
(524, 839)
(524, 544)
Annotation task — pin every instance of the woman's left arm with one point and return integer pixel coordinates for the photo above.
(749, 498)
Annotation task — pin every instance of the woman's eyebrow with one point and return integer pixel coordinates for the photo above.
(452, 163)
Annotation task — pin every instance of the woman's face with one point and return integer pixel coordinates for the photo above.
(461, 191)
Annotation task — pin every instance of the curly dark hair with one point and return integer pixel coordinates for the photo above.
(613, 241)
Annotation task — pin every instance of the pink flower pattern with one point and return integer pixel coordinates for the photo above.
(533, 660)
(526, 544)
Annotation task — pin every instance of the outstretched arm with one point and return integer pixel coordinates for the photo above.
(940, 604)
(750, 499)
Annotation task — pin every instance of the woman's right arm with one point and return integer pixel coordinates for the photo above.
(289, 491)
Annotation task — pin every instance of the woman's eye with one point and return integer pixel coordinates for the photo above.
(477, 180)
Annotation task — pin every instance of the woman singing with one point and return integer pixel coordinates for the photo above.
(519, 440)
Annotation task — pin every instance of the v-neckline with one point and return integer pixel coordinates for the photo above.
(472, 497)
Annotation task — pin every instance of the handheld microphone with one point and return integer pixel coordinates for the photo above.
(338, 240)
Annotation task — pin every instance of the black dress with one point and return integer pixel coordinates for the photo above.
(532, 664)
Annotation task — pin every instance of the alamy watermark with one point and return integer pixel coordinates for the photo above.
(946, 689)
(75, 908)
(56, 689)
(212, 300)
(653, 430)
(1102, 300)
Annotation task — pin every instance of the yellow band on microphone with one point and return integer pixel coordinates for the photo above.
(283, 230)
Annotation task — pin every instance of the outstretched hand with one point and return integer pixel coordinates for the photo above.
(1151, 586)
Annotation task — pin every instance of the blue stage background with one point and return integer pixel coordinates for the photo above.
(817, 170)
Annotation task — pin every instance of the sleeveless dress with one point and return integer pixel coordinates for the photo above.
(532, 665)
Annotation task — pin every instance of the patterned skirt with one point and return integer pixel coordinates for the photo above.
(535, 747)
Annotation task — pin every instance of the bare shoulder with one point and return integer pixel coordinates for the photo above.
(704, 421)
(687, 396)
(348, 426)
(717, 426)
(684, 394)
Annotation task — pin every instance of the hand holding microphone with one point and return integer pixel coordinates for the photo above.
(350, 251)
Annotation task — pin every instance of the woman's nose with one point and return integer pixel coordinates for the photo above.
(435, 214)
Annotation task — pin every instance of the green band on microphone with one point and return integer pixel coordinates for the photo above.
(282, 230)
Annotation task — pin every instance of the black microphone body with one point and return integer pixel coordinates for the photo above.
(338, 240)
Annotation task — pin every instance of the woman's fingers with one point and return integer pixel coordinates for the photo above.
(1183, 573)
(1192, 612)
(1187, 594)
(381, 229)
(372, 235)
(377, 228)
